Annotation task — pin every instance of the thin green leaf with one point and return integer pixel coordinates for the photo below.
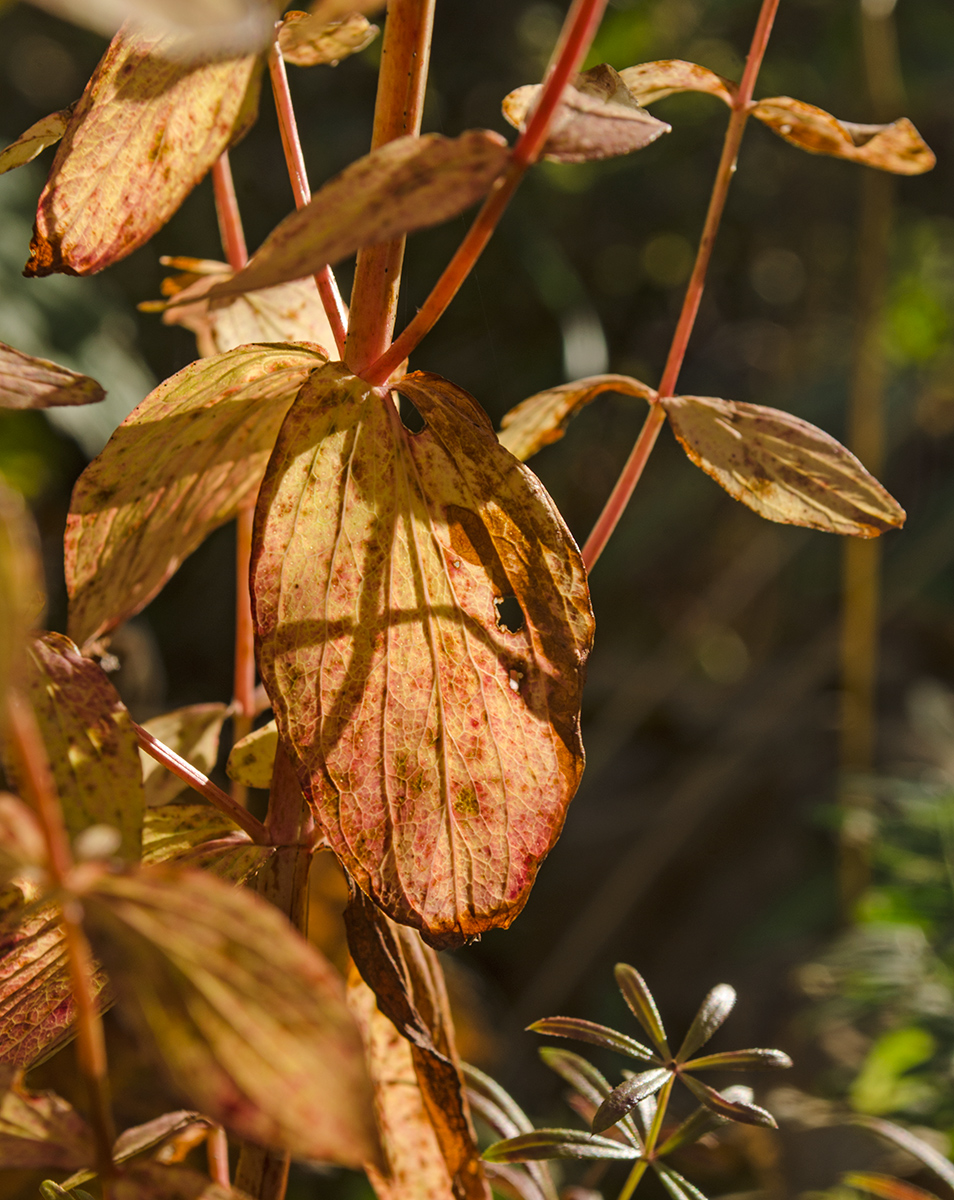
(624, 1098)
(739, 1060)
(677, 1185)
(193, 733)
(641, 1004)
(41, 134)
(558, 1143)
(28, 382)
(695, 1126)
(735, 1110)
(590, 1083)
(594, 1034)
(909, 1142)
(479, 1082)
(712, 1012)
(886, 1187)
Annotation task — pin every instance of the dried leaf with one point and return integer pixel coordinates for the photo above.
(140, 1138)
(738, 1060)
(21, 582)
(599, 117)
(908, 1141)
(886, 1187)
(782, 467)
(624, 1098)
(654, 81)
(45, 132)
(728, 1105)
(253, 758)
(378, 559)
(558, 1143)
(28, 382)
(21, 837)
(193, 733)
(39, 1129)
(897, 147)
(408, 184)
(639, 1000)
(308, 41)
(178, 467)
(594, 1034)
(712, 1012)
(157, 1181)
(146, 130)
(249, 1019)
(543, 418)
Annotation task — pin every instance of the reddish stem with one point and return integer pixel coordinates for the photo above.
(620, 496)
(579, 30)
(227, 210)
(325, 281)
(217, 1154)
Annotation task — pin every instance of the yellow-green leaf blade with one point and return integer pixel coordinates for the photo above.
(45, 132)
(253, 758)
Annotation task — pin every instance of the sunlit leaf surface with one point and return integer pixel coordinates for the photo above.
(308, 41)
(654, 81)
(45, 132)
(253, 758)
(28, 382)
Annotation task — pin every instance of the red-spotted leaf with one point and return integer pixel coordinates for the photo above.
(712, 1012)
(39, 1129)
(641, 1004)
(897, 147)
(22, 596)
(624, 1098)
(598, 117)
(146, 130)
(178, 467)
(558, 1143)
(438, 747)
(782, 467)
(543, 418)
(306, 40)
(45, 132)
(728, 1106)
(28, 382)
(249, 1019)
(654, 81)
(408, 184)
(596, 1035)
(193, 733)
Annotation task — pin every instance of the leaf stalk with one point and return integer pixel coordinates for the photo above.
(652, 1137)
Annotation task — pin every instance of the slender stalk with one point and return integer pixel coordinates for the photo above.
(620, 496)
(217, 1156)
(27, 746)
(227, 211)
(652, 1137)
(325, 281)
(578, 32)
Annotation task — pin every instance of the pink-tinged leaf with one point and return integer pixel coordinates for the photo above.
(782, 467)
(41, 134)
(910, 1142)
(22, 597)
(639, 1000)
(543, 418)
(28, 382)
(405, 185)
(558, 1143)
(727, 1105)
(897, 147)
(712, 1012)
(193, 733)
(308, 41)
(21, 837)
(438, 748)
(599, 117)
(39, 1129)
(654, 81)
(147, 128)
(158, 1181)
(886, 1187)
(178, 467)
(249, 1019)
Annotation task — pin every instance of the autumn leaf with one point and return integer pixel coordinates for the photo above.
(408, 184)
(28, 382)
(39, 1129)
(193, 733)
(140, 1138)
(198, 27)
(45, 132)
(178, 467)
(599, 117)
(543, 418)
(308, 41)
(252, 759)
(21, 582)
(248, 1018)
(175, 829)
(653, 81)
(438, 746)
(146, 130)
(782, 467)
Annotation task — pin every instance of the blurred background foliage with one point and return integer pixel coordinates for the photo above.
(703, 844)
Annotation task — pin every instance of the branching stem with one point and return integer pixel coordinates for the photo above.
(652, 1137)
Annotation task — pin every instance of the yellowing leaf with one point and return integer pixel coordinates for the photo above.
(147, 129)
(599, 117)
(45, 132)
(307, 41)
(172, 830)
(781, 467)
(28, 382)
(408, 184)
(654, 81)
(897, 147)
(178, 467)
(253, 758)
(438, 747)
(21, 582)
(193, 733)
(249, 1019)
(543, 418)
(39, 1129)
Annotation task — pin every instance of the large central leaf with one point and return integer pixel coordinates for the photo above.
(438, 748)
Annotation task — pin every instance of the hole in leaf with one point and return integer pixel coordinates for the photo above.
(411, 419)
(509, 614)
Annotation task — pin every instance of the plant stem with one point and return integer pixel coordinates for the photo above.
(325, 281)
(652, 1137)
(28, 748)
(217, 1155)
(620, 496)
(227, 210)
(578, 32)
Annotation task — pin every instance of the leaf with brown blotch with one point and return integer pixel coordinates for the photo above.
(177, 468)
(193, 733)
(147, 128)
(161, 1181)
(28, 382)
(307, 41)
(897, 147)
(599, 117)
(253, 758)
(782, 467)
(39, 1129)
(405, 185)
(41, 134)
(22, 595)
(543, 418)
(232, 858)
(438, 747)
(654, 81)
(249, 1019)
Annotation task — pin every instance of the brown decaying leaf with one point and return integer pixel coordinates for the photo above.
(28, 382)
(45, 132)
(147, 128)
(39, 1129)
(193, 733)
(897, 147)
(22, 597)
(157, 1181)
(599, 117)
(177, 468)
(782, 467)
(307, 41)
(438, 748)
(249, 1019)
(543, 418)
(654, 81)
(408, 184)
(253, 758)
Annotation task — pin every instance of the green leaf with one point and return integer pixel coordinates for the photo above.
(594, 1034)
(41, 134)
(712, 1012)
(739, 1060)
(177, 468)
(728, 1106)
(882, 1084)
(641, 1004)
(378, 561)
(908, 1141)
(21, 582)
(695, 1126)
(308, 41)
(676, 1185)
(253, 758)
(491, 1089)
(193, 733)
(590, 1083)
(624, 1098)
(39, 1130)
(558, 1143)
(28, 382)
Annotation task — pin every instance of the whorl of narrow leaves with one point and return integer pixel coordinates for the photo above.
(21, 582)
(39, 1129)
(28, 382)
(438, 748)
(306, 40)
(146, 130)
(45, 132)
(177, 468)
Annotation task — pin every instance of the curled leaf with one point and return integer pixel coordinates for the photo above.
(45, 132)
(558, 1143)
(728, 1105)
(654, 81)
(641, 1004)
(193, 733)
(624, 1098)
(253, 758)
(712, 1012)
(897, 147)
(598, 117)
(782, 467)
(596, 1035)
(307, 41)
(28, 382)
(738, 1060)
